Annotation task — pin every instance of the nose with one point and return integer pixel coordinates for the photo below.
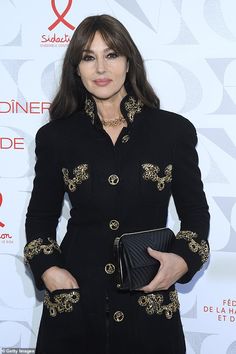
(101, 65)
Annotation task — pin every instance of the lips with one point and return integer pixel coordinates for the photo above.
(102, 82)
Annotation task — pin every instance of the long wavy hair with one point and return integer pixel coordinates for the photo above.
(72, 93)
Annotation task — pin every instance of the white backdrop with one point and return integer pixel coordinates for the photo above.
(189, 47)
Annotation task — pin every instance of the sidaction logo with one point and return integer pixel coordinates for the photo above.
(1, 200)
(52, 39)
(4, 237)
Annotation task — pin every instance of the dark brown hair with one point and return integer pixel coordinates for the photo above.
(72, 93)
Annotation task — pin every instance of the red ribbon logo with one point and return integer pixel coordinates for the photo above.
(61, 17)
(1, 224)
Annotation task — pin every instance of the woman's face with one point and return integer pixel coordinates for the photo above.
(102, 70)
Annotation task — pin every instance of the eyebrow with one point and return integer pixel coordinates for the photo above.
(92, 52)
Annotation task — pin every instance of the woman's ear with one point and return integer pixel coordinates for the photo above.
(127, 66)
(77, 70)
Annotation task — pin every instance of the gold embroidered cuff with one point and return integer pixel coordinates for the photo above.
(153, 304)
(201, 248)
(62, 302)
(35, 247)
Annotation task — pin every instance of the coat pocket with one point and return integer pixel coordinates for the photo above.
(155, 180)
(78, 181)
(74, 177)
(61, 301)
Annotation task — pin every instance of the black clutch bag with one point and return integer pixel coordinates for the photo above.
(136, 268)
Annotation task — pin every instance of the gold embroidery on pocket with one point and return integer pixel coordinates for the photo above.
(80, 174)
(153, 304)
(201, 248)
(151, 174)
(36, 246)
(61, 302)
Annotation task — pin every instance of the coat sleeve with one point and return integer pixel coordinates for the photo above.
(190, 201)
(42, 251)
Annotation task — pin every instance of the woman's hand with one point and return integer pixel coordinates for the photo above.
(56, 278)
(172, 268)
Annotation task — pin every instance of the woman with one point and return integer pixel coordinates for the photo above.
(119, 158)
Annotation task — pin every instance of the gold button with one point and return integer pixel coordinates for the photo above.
(114, 224)
(110, 268)
(118, 316)
(113, 180)
(125, 139)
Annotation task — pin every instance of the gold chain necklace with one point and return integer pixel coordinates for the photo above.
(113, 122)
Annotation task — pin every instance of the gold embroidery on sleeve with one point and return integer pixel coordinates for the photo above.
(35, 247)
(153, 304)
(202, 249)
(61, 302)
(80, 174)
(151, 174)
(132, 107)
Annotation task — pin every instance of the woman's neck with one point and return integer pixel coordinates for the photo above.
(109, 109)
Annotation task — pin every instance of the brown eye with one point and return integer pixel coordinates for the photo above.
(112, 55)
(87, 57)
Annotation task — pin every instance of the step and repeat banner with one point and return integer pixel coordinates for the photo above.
(189, 48)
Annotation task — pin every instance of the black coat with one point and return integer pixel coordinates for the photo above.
(112, 190)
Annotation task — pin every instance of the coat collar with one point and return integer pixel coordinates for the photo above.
(129, 106)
